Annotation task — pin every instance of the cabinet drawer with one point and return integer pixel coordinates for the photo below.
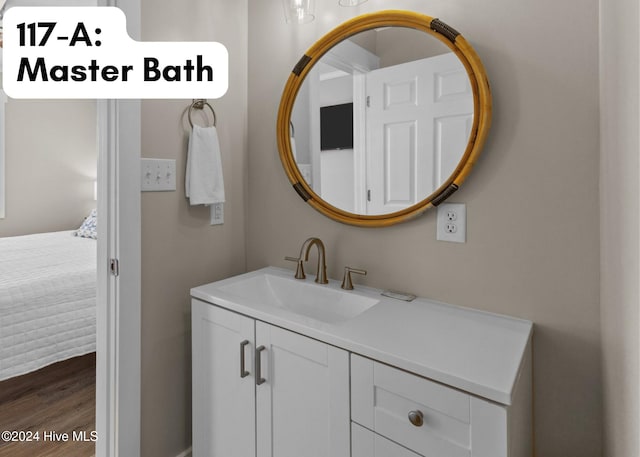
(382, 398)
(365, 443)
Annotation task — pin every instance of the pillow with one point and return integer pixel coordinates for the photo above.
(89, 227)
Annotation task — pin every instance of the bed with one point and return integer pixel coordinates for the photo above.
(47, 300)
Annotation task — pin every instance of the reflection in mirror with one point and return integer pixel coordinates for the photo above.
(382, 120)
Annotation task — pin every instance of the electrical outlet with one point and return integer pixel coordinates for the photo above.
(217, 214)
(452, 222)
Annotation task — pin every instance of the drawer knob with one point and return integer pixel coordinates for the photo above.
(416, 418)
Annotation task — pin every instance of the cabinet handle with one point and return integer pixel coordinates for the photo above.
(243, 372)
(416, 418)
(259, 379)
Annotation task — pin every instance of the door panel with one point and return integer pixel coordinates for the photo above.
(303, 405)
(418, 122)
(399, 162)
(451, 134)
(223, 397)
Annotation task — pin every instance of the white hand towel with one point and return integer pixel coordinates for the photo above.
(204, 184)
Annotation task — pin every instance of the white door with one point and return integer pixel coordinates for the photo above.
(223, 382)
(418, 123)
(303, 402)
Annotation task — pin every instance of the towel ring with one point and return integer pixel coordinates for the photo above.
(200, 104)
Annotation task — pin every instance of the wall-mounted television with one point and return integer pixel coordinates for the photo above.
(336, 127)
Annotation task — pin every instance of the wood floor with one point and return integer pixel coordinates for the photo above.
(59, 398)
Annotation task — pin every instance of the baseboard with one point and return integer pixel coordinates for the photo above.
(185, 453)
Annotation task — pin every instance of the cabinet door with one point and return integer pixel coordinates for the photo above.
(303, 403)
(223, 397)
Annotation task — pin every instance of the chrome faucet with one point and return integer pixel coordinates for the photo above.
(321, 275)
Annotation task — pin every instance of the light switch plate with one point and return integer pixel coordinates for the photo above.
(158, 175)
(452, 222)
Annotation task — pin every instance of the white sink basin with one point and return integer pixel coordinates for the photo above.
(319, 302)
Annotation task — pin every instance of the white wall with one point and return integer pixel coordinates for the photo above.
(620, 225)
(336, 166)
(301, 125)
(34, 210)
(50, 165)
(532, 199)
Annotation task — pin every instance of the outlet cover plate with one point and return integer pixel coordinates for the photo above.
(217, 214)
(452, 222)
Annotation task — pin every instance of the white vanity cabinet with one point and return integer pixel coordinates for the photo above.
(262, 391)
(398, 379)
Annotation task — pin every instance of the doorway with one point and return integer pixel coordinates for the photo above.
(118, 261)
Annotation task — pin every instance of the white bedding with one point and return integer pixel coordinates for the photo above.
(47, 300)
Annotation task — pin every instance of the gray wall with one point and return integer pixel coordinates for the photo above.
(51, 157)
(180, 249)
(532, 200)
(620, 224)
(392, 47)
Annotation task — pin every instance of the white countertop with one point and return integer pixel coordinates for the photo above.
(474, 351)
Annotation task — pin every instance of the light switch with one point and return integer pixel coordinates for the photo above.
(158, 175)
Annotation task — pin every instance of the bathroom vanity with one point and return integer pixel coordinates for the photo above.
(285, 367)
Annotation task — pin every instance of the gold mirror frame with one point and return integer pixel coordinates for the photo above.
(479, 129)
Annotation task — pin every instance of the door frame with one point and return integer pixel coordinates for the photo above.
(350, 58)
(118, 341)
(118, 303)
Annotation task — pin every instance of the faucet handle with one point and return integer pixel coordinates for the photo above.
(347, 284)
(299, 268)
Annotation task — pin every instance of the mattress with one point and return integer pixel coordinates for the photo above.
(47, 300)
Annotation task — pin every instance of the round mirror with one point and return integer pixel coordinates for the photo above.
(383, 118)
